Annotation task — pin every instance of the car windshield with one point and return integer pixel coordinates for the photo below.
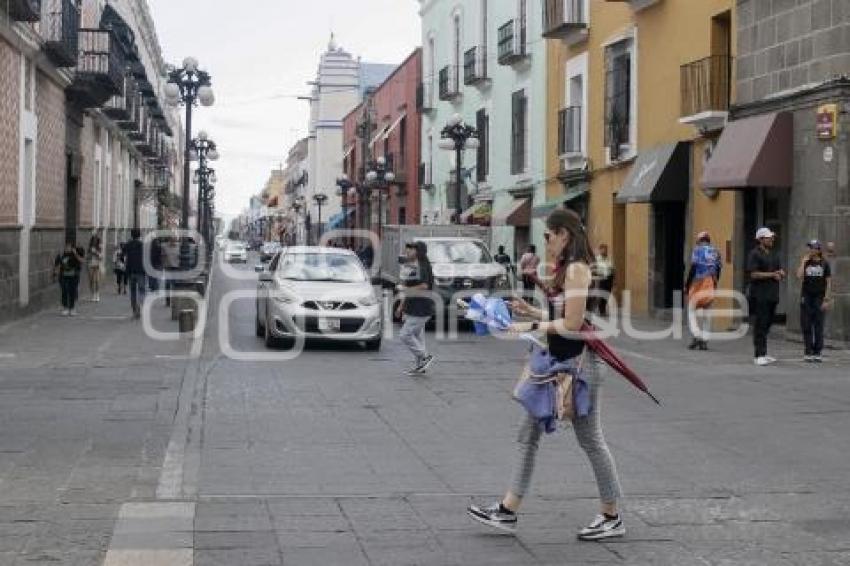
(321, 267)
(236, 247)
(458, 252)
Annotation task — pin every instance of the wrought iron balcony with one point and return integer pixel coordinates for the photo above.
(474, 66)
(121, 107)
(424, 97)
(59, 27)
(101, 68)
(706, 88)
(449, 88)
(140, 121)
(569, 131)
(564, 19)
(512, 44)
(25, 10)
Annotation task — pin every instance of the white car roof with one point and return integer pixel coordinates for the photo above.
(317, 250)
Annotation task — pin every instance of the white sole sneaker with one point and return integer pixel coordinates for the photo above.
(509, 528)
(619, 532)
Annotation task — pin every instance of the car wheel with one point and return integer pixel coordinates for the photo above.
(373, 345)
(261, 332)
(270, 340)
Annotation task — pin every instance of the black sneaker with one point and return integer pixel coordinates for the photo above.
(603, 527)
(425, 363)
(694, 344)
(495, 516)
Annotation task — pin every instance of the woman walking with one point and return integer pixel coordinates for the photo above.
(417, 306)
(567, 244)
(67, 268)
(120, 269)
(95, 255)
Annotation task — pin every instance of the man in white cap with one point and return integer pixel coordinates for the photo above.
(765, 274)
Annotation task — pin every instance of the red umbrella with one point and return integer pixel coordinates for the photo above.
(613, 359)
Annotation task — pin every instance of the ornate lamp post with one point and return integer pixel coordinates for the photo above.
(380, 177)
(320, 199)
(188, 85)
(458, 136)
(203, 150)
(345, 186)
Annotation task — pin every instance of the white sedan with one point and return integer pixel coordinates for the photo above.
(236, 251)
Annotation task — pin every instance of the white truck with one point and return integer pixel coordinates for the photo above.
(460, 258)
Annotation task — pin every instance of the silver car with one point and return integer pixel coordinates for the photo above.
(317, 293)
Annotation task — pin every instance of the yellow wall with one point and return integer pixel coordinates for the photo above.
(668, 35)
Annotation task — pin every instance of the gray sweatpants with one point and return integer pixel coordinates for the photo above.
(412, 335)
(588, 432)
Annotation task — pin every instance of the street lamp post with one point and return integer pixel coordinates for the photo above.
(320, 199)
(187, 85)
(345, 185)
(203, 150)
(458, 136)
(380, 177)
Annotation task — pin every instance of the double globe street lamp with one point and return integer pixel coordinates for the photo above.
(458, 136)
(380, 177)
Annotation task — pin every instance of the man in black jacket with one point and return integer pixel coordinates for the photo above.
(134, 254)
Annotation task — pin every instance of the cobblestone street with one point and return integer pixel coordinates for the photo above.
(116, 448)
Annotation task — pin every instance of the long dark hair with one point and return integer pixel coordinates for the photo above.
(577, 250)
(422, 255)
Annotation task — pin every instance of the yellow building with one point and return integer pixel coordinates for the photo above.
(637, 93)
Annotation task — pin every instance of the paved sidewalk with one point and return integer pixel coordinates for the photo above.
(86, 409)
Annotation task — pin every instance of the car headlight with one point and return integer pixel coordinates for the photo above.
(368, 301)
(443, 281)
(284, 299)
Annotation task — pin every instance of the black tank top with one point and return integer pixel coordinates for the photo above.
(561, 347)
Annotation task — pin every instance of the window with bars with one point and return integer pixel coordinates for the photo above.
(618, 97)
(482, 124)
(519, 112)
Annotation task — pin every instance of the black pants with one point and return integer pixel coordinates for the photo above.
(137, 291)
(811, 321)
(121, 278)
(763, 312)
(605, 287)
(70, 287)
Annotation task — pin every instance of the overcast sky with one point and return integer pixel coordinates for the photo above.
(261, 53)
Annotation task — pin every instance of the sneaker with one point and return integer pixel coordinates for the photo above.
(72, 312)
(817, 358)
(703, 345)
(808, 358)
(66, 312)
(761, 361)
(425, 363)
(495, 516)
(770, 359)
(602, 527)
(694, 344)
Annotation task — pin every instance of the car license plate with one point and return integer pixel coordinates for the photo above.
(329, 324)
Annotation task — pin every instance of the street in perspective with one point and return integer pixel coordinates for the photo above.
(425, 283)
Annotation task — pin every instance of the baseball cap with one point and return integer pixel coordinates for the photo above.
(814, 244)
(764, 233)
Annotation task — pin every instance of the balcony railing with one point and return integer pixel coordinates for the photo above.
(706, 85)
(424, 97)
(101, 68)
(141, 119)
(474, 65)
(449, 88)
(562, 18)
(511, 46)
(59, 27)
(120, 108)
(569, 131)
(25, 10)
(637, 5)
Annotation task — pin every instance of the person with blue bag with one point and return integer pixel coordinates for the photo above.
(567, 298)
